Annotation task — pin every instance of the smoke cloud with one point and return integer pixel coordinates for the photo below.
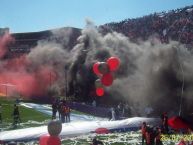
(36, 73)
(150, 74)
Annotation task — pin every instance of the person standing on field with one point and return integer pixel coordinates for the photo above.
(0, 113)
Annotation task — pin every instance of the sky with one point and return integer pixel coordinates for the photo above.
(39, 15)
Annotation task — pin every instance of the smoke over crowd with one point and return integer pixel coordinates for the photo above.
(151, 73)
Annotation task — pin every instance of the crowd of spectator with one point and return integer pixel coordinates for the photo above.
(175, 25)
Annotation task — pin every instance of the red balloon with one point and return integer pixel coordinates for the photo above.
(113, 63)
(102, 131)
(95, 68)
(49, 140)
(100, 91)
(107, 79)
(54, 140)
(43, 139)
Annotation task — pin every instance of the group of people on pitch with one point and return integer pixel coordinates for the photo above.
(63, 110)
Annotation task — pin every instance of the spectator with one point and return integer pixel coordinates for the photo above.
(158, 137)
(143, 132)
(17, 101)
(117, 113)
(54, 109)
(164, 118)
(60, 104)
(0, 113)
(148, 111)
(109, 114)
(113, 115)
(63, 112)
(150, 136)
(94, 103)
(127, 110)
(67, 113)
(16, 115)
(120, 109)
(175, 24)
(96, 142)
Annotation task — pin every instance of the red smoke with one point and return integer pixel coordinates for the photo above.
(26, 83)
(16, 64)
(18, 76)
